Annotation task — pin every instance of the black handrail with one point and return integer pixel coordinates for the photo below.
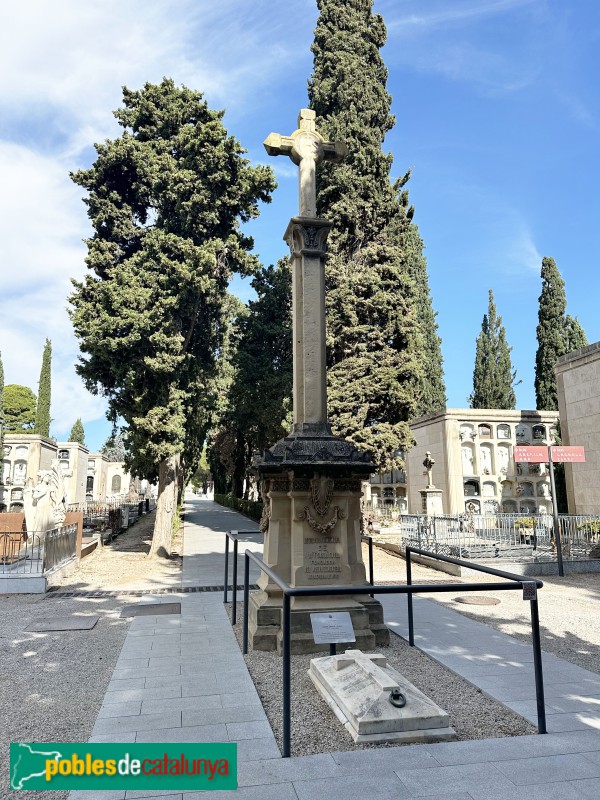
(369, 539)
(408, 589)
(533, 608)
(234, 536)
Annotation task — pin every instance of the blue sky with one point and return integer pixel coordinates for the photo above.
(498, 114)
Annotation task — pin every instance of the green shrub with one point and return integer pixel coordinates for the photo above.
(250, 508)
(591, 526)
(526, 522)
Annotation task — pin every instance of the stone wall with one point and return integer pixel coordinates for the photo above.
(578, 385)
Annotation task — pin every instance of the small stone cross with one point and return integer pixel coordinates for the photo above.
(306, 147)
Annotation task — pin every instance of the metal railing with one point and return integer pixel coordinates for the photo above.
(514, 537)
(235, 537)
(19, 555)
(60, 545)
(512, 583)
(109, 519)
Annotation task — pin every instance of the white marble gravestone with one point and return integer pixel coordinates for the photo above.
(358, 688)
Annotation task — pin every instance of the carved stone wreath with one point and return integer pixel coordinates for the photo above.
(324, 530)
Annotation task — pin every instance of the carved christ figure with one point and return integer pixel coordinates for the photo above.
(306, 147)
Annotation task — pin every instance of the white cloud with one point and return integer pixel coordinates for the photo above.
(458, 14)
(63, 66)
(42, 221)
(64, 63)
(522, 251)
(454, 40)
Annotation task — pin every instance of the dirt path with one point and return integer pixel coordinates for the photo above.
(124, 564)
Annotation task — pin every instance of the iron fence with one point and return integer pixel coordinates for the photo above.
(514, 537)
(60, 545)
(110, 519)
(20, 555)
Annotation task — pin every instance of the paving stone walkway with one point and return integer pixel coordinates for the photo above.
(182, 678)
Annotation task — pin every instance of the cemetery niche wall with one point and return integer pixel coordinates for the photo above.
(578, 390)
(475, 468)
(86, 476)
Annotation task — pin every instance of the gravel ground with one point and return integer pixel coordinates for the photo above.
(568, 608)
(317, 730)
(52, 684)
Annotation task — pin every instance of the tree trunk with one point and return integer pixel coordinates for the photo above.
(182, 474)
(166, 506)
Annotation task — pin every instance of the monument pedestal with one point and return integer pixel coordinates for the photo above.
(311, 480)
(431, 502)
(311, 487)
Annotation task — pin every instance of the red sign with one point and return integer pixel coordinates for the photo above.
(567, 455)
(531, 455)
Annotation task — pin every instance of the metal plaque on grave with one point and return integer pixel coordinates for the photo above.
(332, 627)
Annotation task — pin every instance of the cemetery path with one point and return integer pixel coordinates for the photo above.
(52, 683)
(182, 677)
(568, 608)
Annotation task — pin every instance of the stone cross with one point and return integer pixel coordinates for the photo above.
(306, 147)
(369, 663)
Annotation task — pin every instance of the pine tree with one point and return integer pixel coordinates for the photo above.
(381, 371)
(493, 376)
(19, 409)
(557, 334)
(166, 200)
(42, 416)
(77, 432)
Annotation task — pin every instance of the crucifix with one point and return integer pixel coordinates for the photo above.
(306, 235)
(306, 147)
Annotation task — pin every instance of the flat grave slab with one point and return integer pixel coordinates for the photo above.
(63, 624)
(375, 703)
(150, 609)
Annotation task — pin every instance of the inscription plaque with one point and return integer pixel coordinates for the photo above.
(332, 627)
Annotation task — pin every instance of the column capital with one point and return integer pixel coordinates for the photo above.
(307, 236)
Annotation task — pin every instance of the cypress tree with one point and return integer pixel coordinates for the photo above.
(114, 447)
(166, 199)
(575, 337)
(259, 397)
(42, 415)
(557, 334)
(433, 390)
(493, 376)
(377, 301)
(77, 432)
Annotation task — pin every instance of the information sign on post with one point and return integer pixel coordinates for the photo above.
(551, 455)
(567, 455)
(530, 455)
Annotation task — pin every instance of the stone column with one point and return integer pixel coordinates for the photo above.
(307, 240)
(311, 480)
